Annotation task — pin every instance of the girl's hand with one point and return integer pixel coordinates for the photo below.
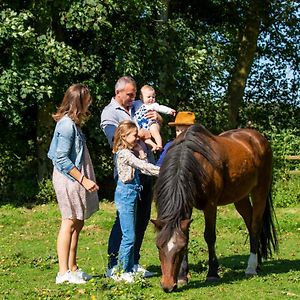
(89, 185)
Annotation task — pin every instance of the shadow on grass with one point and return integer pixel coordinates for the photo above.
(232, 269)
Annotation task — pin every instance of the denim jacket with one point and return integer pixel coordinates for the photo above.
(66, 148)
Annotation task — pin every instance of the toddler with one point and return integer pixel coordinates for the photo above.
(142, 106)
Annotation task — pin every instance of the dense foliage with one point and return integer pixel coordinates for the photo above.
(188, 50)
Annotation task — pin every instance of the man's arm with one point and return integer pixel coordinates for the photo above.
(108, 124)
(109, 131)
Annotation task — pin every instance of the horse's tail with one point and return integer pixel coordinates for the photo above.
(268, 236)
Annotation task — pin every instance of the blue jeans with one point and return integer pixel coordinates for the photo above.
(126, 196)
(143, 210)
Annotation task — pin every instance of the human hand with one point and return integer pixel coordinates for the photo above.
(156, 148)
(89, 185)
(173, 112)
(153, 115)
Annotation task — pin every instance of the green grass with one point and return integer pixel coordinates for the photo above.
(28, 262)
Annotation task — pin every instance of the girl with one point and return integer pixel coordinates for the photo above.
(127, 192)
(73, 179)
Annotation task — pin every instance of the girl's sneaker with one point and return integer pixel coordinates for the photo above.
(125, 276)
(83, 275)
(141, 270)
(69, 277)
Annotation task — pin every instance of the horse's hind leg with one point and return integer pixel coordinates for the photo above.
(245, 209)
(210, 215)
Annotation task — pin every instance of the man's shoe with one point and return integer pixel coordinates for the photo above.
(110, 272)
(139, 269)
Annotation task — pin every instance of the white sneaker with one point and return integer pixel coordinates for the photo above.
(139, 269)
(128, 277)
(81, 274)
(69, 277)
(62, 278)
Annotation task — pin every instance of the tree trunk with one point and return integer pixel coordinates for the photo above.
(245, 56)
(167, 81)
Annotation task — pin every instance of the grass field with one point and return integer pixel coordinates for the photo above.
(28, 262)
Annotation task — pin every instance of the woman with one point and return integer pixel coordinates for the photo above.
(73, 179)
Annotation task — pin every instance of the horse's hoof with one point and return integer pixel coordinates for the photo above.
(182, 281)
(212, 279)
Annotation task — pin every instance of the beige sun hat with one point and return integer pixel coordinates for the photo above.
(183, 118)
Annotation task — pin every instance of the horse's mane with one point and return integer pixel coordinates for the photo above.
(182, 180)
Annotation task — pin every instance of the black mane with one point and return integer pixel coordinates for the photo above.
(181, 182)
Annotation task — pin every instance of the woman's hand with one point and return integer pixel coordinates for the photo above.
(89, 185)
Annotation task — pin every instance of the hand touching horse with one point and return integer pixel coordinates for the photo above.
(204, 171)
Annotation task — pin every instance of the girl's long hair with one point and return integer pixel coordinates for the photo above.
(73, 105)
(124, 129)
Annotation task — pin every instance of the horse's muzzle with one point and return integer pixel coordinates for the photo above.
(169, 289)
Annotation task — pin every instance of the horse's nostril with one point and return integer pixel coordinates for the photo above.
(169, 289)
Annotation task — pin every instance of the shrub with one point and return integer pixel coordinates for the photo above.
(46, 192)
(286, 188)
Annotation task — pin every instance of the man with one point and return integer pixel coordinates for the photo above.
(119, 109)
(183, 120)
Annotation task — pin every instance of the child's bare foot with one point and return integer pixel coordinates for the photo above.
(156, 148)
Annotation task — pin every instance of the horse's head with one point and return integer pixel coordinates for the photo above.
(171, 242)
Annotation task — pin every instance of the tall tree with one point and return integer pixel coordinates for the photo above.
(248, 36)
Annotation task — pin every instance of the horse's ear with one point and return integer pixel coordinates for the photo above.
(158, 224)
(185, 224)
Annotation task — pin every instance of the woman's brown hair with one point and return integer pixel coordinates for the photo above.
(73, 104)
(124, 129)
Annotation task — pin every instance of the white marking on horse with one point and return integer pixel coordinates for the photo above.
(171, 243)
(252, 265)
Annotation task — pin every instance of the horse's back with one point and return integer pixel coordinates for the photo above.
(249, 142)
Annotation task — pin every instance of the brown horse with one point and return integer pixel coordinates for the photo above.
(204, 171)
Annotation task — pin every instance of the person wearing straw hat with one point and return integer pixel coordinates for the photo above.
(183, 120)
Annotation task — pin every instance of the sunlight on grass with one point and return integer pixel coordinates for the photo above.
(28, 262)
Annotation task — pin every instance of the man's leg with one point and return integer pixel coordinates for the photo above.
(143, 214)
(114, 243)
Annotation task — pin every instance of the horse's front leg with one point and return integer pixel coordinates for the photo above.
(210, 215)
(184, 270)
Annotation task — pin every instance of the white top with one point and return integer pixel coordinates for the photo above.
(127, 163)
(159, 108)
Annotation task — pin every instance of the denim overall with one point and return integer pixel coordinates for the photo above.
(126, 197)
